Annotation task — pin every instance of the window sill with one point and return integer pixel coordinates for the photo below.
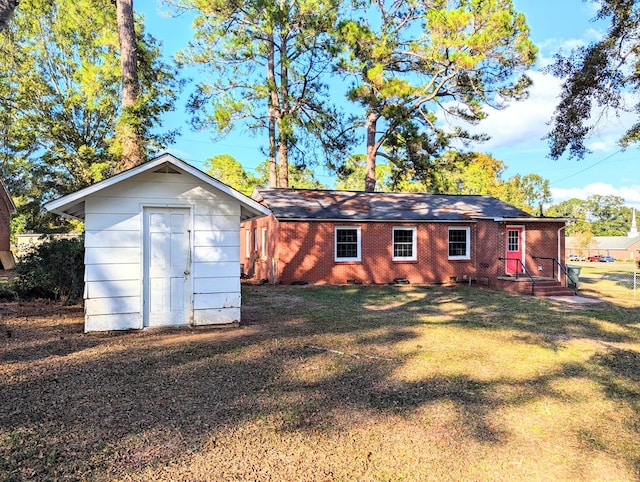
(348, 261)
(404, 261)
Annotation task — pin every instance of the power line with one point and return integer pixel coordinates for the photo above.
(587, 168)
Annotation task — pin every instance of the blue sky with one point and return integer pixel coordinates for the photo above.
(516, 131)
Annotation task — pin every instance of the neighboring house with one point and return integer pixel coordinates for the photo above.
(315, 236)
(620, 247)
(161, 246)
(6, 209)
(623, 248)
(25, 242)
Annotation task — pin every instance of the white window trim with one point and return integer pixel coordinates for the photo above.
(247, 243)
(358, 244)
(414, 247)
(467, 254)
(264, 242)
(255, 240)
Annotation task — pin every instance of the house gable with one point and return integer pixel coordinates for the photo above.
(73, 205)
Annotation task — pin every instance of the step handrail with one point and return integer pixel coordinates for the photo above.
(524, 270)
(561, 267)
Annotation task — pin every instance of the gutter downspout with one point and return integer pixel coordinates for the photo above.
(559, 261)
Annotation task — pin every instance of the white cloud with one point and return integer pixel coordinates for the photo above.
(631, 194)
(599, 146)
(522, 123)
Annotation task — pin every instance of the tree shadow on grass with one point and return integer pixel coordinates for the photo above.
(139, 400)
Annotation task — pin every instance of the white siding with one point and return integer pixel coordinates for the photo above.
(106, 288)
(221, 269)
(207, 301)
(219, 316)
(113, 305)
(214, 254)
(129, 321)
(114, 250)
(215, 223)
(107, 239)
(119, 255)
(112, 272)
(217, 285)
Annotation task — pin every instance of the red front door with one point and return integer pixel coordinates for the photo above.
(515, 251)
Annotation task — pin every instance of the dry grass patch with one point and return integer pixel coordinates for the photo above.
(328, 383)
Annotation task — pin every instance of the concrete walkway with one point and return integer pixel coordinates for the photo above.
(575, 300)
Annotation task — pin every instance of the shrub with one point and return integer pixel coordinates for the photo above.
(8, 291)
(52, 269)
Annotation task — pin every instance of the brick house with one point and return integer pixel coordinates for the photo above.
(6, 208)
(622, 248)
(342, 237)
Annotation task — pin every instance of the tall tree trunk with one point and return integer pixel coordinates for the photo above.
(273, 113)
(284, 130)
(132, 149)
(372, 150)
(273, 168)
(6, 11)
(283, 163)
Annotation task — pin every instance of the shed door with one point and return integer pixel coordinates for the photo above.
(167, 265)
(515, 250)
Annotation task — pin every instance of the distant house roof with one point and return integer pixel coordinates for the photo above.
(304, 204)
(72, 205)
(606, 242)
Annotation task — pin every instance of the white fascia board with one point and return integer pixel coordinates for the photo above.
(65, 204)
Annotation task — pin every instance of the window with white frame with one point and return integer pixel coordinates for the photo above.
(255, 240)
(404, 244)
(247, 243)
(264, 242)
(459, 243)
(347, 244)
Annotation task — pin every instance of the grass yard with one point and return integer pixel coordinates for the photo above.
(329, 383)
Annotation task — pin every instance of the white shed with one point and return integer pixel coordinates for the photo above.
(162, 246)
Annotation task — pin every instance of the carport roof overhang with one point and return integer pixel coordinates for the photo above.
(72, 205)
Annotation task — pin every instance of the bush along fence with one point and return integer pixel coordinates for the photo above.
(51, 269)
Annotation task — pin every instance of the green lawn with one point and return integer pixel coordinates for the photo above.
(611, 281)
(329, 383)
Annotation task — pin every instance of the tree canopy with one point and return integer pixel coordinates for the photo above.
(598, 79)
(598, 215)
(266, 63)
(227, 169)
(414, 62)
(59, 100)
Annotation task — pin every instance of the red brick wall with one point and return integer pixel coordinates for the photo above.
(5, 227)
(304, 251)
(542, 242)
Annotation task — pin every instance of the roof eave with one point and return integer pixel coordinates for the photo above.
(360, 220)
(72, 205)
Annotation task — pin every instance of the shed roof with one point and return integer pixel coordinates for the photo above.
(72, 205)
(307, 204)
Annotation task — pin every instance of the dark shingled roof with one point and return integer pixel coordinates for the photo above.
(382, 206)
